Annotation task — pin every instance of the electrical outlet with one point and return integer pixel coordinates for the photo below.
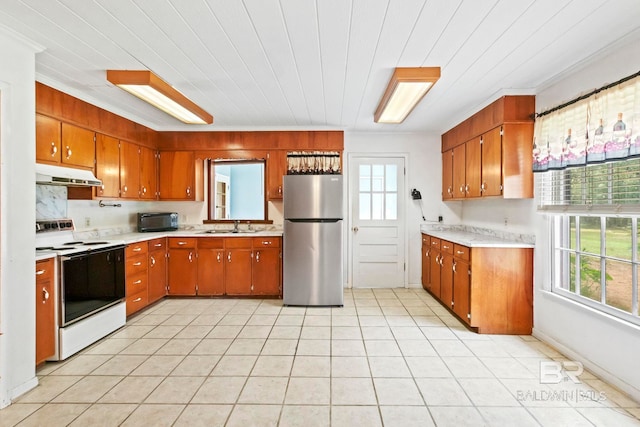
(440, 218)
(506, 221)
(87, 221)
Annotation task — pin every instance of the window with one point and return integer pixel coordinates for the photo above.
(237, 190)
(378, 192)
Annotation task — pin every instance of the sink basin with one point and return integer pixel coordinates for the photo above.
(226, 231)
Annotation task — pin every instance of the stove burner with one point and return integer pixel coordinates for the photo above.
(94, 243)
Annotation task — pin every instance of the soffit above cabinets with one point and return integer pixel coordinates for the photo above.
(302, 64)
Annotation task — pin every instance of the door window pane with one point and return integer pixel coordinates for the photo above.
(391, 210)
(377, 172)
(377, 206)
(392, 178)
(365, 178)
(365, 206)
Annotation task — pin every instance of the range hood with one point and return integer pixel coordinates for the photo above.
(59, 175)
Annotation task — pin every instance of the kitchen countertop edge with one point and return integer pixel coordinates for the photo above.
(475, 240)
(141, 237)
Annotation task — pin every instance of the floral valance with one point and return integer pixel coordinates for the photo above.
(313, 162)
(602, 127)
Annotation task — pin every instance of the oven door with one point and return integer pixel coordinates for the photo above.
(89, 282)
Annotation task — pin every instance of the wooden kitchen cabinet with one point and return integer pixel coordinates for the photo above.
(276, 169)
(446, 273)
(129, 170)
(45, 310)
(47, 139)
(211, 263)
(183, 267)
(447, 175)
(459, 172)
(237, 270)
(491, 169)
(148, 174)
(266, 268)
(136, 276)
(436, 267)
(461, 283)
(157, 288)
(108, 166)
(426, 262)
(473, 167)
(78, 147)
(180, 176)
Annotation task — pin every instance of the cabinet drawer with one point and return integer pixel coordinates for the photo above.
(237, 242)
(426, 240)
(136, 283)
(182, 242)
(461, 252)
(137, 302)
(435, 243)
(446, 246)
(136, 249)
(157, 244)
(210, 243)
(44, 269)
(266, 242)
(136, 264)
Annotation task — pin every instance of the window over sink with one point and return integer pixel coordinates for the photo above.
(237, 190)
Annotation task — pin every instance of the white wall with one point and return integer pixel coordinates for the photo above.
(424, 172)
(17, 200)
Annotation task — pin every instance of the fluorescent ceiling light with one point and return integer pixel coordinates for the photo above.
(152, 89)
(406, 88)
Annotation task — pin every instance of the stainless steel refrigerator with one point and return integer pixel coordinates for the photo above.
(312, 263)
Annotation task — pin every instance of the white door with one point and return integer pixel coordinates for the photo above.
(377, 221)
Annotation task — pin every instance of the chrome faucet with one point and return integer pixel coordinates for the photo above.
(249, 225)
(236, 223)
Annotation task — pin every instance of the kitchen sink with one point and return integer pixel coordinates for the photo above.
(226, 231)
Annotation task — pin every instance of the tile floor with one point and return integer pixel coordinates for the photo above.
(388, 357)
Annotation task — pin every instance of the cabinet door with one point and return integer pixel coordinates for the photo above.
(211, 260)
(45, 311)
(47, 139)
(492, 163)
(148, 176)
(473, 167)
(435, 272)
(237, 271)
(129, 170)
(78, 146)
(447, 175)
(426, 262)
(108, 166)
(157, 274)
(177, 175)
(461, 289)
(266, 271)
(183, 272)
(459, 173)
(277, 168)
(446, 279)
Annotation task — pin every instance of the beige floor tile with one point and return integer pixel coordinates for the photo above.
(406, 416)
(234, 320)
(194, 331)
(308, 391)
(175, 390)
(158, 365)
(397, 391)
(262, 320)
(212, 346)
(506, 367)
(48, 388)
(442, 392)
(428, 321)
(319, 311)
(438, 333)
(347, 348)
(131, 390)
(352, 391)
(488, 349)
(178, 346)
(559, 417)
(315, 320)
(254, 416)
(145, 346)
(304, 416)
(349, 416)
(180, 319)
(272, 366)
(285, 332)
(382, 348)
(428, 367)
(278, 347)
(120, 364)
(293, 311)
(346, 310)
(452, 416)
(316, 333)
(376, 333)
(416, 348)
(467, 367)
(54, 414)
(250, 331)
(373, 319)
(609, 417)
(264, 390)
(613, 394)
(16, 412)
(244, 346)
(110, 346)
(207, 320)
(164, 331)
(497, 416)
(389, 302)
(234, 366)
(389, 367)
(313, 348)
(487, 392)
(346, 333)
(101, 414)
(133, 331)
(218, 390)
(399, 320)
(204, 416)
(82, 364)
(151, 319)
(453, 348)
(47, 368)
(225, 331)
(350, 367)
(153, 415)
(395, 311)
(88, 389)
(369, 311)
(407, 333)
(311, 366)
(531, 393)
(196, 365)
(345, 320)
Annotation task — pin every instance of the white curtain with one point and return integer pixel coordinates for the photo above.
(313, 162)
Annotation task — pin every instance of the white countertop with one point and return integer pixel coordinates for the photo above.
(140, 237)
(45, 255)
(475, 240)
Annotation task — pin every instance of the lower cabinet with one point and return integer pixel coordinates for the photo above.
(183, 266)
(237, 270)
(45, 310)
(157, 269)
(488, 288)
(426, 262)
(211, 259)
(136, 276)
(266, 270)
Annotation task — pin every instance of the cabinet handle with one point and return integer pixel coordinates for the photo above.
(434, 243)
(153, 261)
(124, 189)
(459, 252)
(229, 257)
(54, 149)
(182, 243)
(428, 252)
(158, 245)
(266, 242)
(483, 187)
(137, 282)
(280, 189)
(462, 188)
(144, 190)
(137, 249)
(45, 295)
(40, 272)
(450, 191)
(445, 247)
(137, 264)
(441, 258)
(188, 191)
(137, 299)
(69, 152)
(466, 188)
(190, 256)
(258, 256)
(218, 257)
(454, 267)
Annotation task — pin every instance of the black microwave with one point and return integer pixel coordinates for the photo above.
(157, 221)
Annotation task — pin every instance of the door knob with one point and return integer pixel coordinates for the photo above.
(355, 229)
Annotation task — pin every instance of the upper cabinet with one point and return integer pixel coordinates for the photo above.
(180, 176)
(276, 169)
(108, 166)
(489, 154)
(47, 139)
(64, 144)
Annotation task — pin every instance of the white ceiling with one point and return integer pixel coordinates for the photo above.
(315, 64)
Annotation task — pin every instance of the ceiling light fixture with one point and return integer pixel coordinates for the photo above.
(152, 89)
(406, 88)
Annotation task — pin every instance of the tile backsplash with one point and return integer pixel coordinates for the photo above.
(51, 202)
